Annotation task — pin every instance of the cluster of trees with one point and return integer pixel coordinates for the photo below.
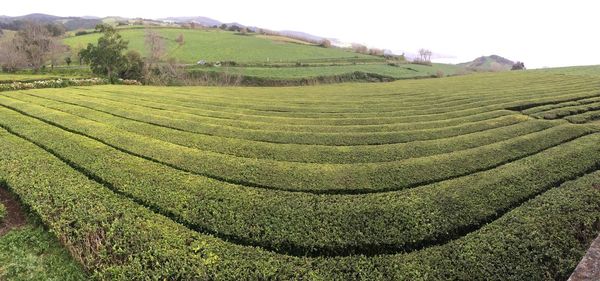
(362, 49)
(424, 57)
(110, 58)
(33, 46)
(518, 66)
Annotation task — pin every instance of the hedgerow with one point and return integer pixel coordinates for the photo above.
(300, 153)
(117, 239)
(317, 178)
(208, 205)
(446, 179)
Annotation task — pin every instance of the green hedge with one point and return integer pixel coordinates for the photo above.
(281, 221)
(538, 109)
(296, 152)
(308, 177)
(117, 239)
(269, 126)
(346, 139)
(568, 111)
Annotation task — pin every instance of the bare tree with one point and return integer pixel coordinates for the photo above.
(56, 54)
(359, 48)
(156, 47)
(10, 58)
(36, 43)
(425, 55)
(325, 43)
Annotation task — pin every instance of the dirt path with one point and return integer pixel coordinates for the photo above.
(589, 267)
(15, 217)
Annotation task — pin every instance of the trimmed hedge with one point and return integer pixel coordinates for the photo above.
(281, 221)
(314, 178)
(331, 139)
(568, 111)
(295, 152)
(117, 239)
(270, 126)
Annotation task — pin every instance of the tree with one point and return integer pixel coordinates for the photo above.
(325, 43)
(106, 58)
(134, 66)
(36, 44)
(10, 58)
(56, 54)
(155, 45)
(425, 55)
(68, 61)
(223, 26)
(359, 48)
(518, 66)
(180, 40)
(56, 29)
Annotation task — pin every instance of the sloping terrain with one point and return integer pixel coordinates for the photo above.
(216, 45)
(413, 180)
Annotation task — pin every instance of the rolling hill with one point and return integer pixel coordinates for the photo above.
(218, 45)
(488, 63)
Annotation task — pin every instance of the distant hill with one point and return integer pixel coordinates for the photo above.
(70, 23)
(488, 63)
(205, 21)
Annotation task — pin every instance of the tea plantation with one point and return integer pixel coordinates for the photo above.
(479, 177)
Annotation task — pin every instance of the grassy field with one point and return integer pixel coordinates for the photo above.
(433, 179)
(216, 45)
(31, 253)
(591, 70)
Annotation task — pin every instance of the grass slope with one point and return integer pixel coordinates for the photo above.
(32, 253)
(214, 45)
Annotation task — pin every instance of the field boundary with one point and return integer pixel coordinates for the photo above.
(589, 266)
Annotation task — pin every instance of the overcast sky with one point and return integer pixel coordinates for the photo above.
(540, 33)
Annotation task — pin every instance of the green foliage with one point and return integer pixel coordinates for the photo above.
(31, 253)
(106, 58)
(214, 46)
(437, 179)
(134, 66)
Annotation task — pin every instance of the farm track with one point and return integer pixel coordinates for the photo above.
(337, 194)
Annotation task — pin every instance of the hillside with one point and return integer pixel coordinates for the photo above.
(217, 45)
(70, 23)
(488, 63)
(486, 176)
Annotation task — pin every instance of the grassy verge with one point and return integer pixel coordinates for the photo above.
(32, 253)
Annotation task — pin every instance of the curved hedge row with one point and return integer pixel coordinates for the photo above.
(279, 221)
(307, 177)
(268, 126)
(203, 98)
(297, 152)
(438, 113)
(117, 239)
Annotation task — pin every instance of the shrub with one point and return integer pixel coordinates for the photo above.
(52, 83)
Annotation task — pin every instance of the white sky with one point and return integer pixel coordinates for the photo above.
(540, 33)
